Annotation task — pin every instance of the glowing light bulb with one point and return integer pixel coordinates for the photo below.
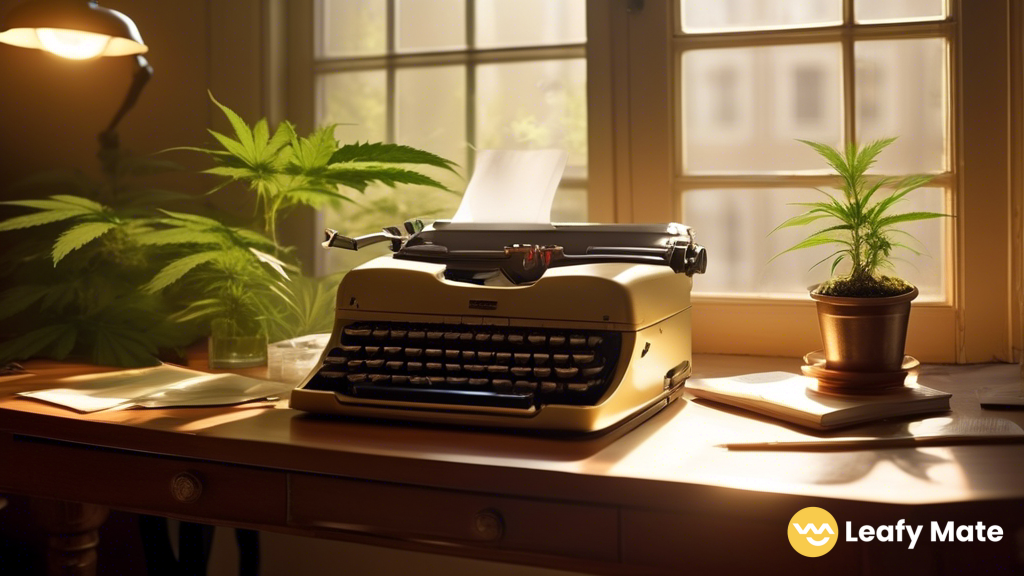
(72, 44)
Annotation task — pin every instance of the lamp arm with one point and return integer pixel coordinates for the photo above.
(108, 138)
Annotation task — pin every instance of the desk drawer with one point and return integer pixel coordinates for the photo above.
(426, 514)
(144, 482)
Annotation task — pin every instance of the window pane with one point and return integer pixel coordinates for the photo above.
(889, 10)
(570, 205)
(357, 101)
(744, 108)
(734, 226)
(731, 15)
(901, 91)
(541, 104)
(501, 23)
(427, 25)
(352, 28)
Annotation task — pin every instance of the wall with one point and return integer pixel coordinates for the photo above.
(51, 109)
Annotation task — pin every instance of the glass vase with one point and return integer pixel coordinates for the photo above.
(235, 344)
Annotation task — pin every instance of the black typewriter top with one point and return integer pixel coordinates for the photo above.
(523, 252)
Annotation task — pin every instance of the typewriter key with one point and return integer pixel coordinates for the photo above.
(582, 358)
(502, 386)
(497, 337)
(568, 372)
(357, 332)
(522, 370)
(541, 372)
(380, 378)
(417, 335)
(433, 352)
(413, 352)
(354, 378)
(457, 380)
(435, 335)
(475, 367)
(541, 358)
(436, 380)
(434, 366)
(392, 350)
(397, 334)
(453, 367)
(414, 366)
(351, 349)
(399, 379)
(494, 369)
(395, 365)
(550, 387)
(374, 364)
(522, 358)
(355, 364)
(592, 370)
(502, 357)
(537, 339)
(561, 359)
(451, 354)
(524, 387)
(372, 350)
(485, 356)
(479, 382)
(482, 336)
(576, 340)
(468, 355)
(594, 341)
(516, 339)
(557, 341)
(381, 333)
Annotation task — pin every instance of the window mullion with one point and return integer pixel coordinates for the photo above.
(470, 85)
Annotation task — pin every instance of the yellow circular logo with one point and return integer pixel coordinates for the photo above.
(813, 532)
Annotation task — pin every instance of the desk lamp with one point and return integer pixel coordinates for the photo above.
(80, 30)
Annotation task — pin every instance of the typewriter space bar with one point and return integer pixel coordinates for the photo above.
(433, 396)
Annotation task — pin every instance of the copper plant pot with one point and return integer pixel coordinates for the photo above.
(864, 334)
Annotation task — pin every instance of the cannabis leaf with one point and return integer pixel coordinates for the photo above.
(285, 169)
(862, 230)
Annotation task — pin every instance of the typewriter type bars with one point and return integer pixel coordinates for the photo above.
(463, 365)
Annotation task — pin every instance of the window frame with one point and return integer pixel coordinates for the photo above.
(972, 323)
(632, 53)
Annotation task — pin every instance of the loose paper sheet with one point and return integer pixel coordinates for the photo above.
(512, 186)
(158, 387)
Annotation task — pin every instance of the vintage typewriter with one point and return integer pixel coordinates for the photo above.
(572, 327)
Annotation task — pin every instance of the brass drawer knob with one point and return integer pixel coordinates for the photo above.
(186, 487)
(488, 525)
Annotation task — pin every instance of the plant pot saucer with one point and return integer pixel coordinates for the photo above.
(817, 358)
(844, 383)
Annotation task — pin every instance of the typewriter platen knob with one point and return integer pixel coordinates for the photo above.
(696, 260)
(488, 525)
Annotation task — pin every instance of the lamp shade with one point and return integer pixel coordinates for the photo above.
(76, 29)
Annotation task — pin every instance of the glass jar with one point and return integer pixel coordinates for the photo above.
(237, 344)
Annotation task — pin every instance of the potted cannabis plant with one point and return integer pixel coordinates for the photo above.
(863, 314)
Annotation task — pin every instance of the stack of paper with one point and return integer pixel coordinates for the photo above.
(162, 386)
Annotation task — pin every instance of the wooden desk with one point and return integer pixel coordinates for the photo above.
(663, 498)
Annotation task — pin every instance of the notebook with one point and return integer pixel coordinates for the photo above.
(794, 398)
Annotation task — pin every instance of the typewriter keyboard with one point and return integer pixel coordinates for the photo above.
(470, 365)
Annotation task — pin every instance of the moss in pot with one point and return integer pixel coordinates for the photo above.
(863, 314)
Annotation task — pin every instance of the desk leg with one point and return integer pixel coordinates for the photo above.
(73, 530)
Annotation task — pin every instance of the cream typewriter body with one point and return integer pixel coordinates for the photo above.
(468, 337)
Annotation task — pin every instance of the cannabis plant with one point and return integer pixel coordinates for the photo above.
(863, 226)
(72, 278)
(286, 170)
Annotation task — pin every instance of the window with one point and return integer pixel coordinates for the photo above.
(690, 110)
(450, 76)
